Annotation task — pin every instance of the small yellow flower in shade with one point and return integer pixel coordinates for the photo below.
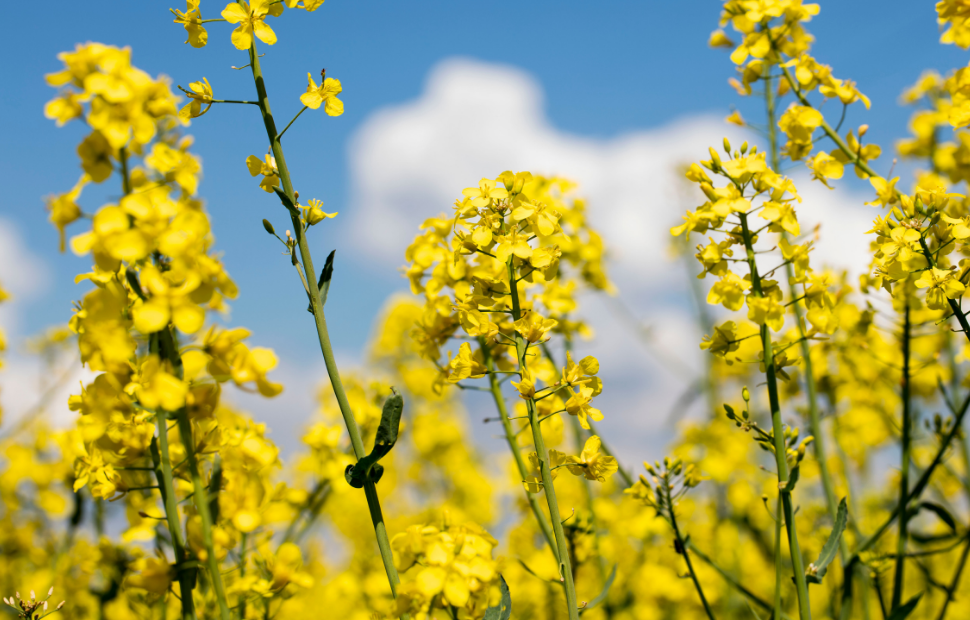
(313, 212)
(526, 386)
(533, 479)
(191, 19)
(579, 405)
(465, 365)
(267, 168)
(155, 387)
(942, 285)
(533, 327)
(152, 574)
(96, 156)
(485, 193)
(64, 208)
(252, 20)
(326, 94)
(825, 167)
(724, 340)
(286, 567)
(591, 462)
(766, 311)
(199, 93)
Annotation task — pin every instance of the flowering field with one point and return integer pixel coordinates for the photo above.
(829, 475)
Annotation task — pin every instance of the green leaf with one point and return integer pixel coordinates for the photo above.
(831, 546)
(323, 285)
(941, 512)
(387, 432)
(502, 611)
(602, 595)
(284, 199)
(133, 282)
(902, 612)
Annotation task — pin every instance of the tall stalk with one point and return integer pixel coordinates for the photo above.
(907, 442)
(565, 565)
(370, 491)
(811, 390)
(512, 438)
(167, 349)
(781, 462)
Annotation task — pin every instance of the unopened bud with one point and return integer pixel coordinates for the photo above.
(745, 394)
(863, 129)
(714, 156)
(744, 148)
(727, 146)
(268, 227)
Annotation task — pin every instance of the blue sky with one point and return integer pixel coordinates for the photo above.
(606, 69)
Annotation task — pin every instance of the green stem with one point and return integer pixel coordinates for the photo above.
(849, 153)
(280, 137)
(565, 567)
(163, 473)
(734, 583)
(682, 547)
(511, 438)
(779, 568)
(168, 349)
(904, 467)
(920, 485)
(955, 582)
(781, 462)
(370, 491)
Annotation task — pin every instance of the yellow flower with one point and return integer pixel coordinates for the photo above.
(724, 340)
(591, 463)
(64, 209)
(191, 19)
(465, 365)
(825, 167)
(326, 94)
(201, 93)
(152, 574)
(798, 122)
(766, 311)
(485, 193)
(579, 405)
(158, 388)
(266, 168)
(886, 193)
(252, 20)
(313, 213)
(729, 291)
(782, 217)
(533, 327)
(942, 285)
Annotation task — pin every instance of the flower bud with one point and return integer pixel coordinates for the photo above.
(727, 146)
(268, 227)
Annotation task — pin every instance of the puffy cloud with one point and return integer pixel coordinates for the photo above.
(411, 161)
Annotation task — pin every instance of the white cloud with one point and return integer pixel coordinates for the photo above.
(411, 161)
